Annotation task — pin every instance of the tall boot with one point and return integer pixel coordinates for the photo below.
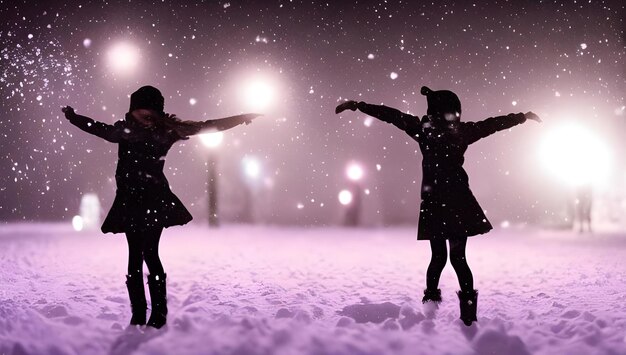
(137, 295)
(467, 302)
(430, 302)
(158, 297)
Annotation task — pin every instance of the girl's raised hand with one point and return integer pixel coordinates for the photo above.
(68, 111)
(248, 117)
(532, 116)
(348, 105)
(172, 117)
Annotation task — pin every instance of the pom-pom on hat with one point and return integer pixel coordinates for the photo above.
(441, 101)
(147, 97)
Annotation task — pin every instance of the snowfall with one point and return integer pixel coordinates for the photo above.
(279, 290)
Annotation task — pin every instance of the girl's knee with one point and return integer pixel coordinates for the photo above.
(459, 262)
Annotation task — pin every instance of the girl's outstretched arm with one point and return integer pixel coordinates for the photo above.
(189, 128)
(474, 131)
(404, 121)
(111, 133)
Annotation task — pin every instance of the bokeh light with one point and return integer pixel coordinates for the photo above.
(77, 223)
(251, 167)
(123, 58)
(345, 197)
(354, 172)
(575, 155)
(212, 139)
(258, 94)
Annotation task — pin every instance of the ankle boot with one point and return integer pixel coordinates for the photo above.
(137, 295)
(158, 297)
(430, 302)
(432, 296)
(467, 302)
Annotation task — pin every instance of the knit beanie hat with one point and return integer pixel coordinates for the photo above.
(441, 101)
(147, 97)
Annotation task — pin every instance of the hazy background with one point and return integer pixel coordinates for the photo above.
(563, 60)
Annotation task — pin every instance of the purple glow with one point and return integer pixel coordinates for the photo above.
(267, 283)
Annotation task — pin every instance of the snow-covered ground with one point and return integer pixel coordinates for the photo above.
(270, 290)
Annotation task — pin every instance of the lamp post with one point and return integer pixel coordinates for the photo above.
(212, 141)
(251, 167)
(352, 198)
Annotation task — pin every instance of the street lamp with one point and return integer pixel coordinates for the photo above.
(577, 157)
(345, 197)
(123, 58)
(354, 172)
(212, 141)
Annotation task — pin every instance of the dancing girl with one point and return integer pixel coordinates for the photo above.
(449, 210)
(144, 203)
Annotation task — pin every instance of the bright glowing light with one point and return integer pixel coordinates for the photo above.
(87, 42)
(212, 139)
(90, 211)
(192, 101)
(368, 121)
(77, 223)
(575, 156)
(258, 95)
(354, 172)
(345, 197)
(251, 167)
(393, 75)
(123, 57)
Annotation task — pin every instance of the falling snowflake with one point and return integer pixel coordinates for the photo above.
(260, 39)
(29, 69)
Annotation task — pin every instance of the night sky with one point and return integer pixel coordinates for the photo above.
(563, 60)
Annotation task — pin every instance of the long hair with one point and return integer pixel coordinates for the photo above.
(166, 122)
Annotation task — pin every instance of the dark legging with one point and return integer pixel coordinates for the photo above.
(457, 259)
(144, 245)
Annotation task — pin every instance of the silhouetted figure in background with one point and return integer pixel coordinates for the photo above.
(448, 210)
(144, 203)
(582, 207)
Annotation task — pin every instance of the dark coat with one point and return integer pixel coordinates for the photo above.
(448, 209)
(143, 198)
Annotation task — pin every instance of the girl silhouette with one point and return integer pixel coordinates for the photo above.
(448, 210)
(144, 203)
